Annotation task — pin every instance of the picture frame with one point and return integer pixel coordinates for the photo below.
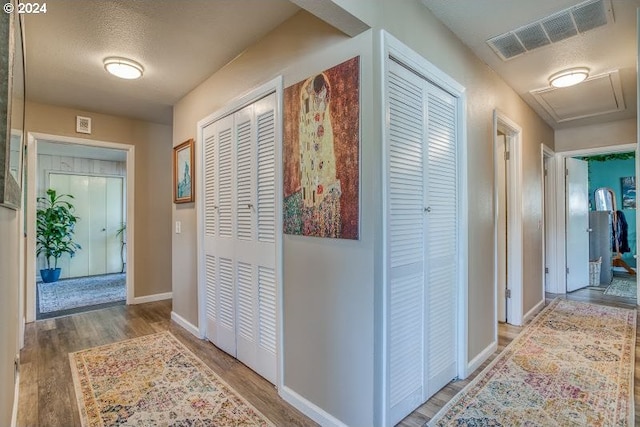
(183, 163)
(628, 184)
(12, 108)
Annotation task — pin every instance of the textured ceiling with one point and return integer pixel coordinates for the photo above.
(179, 43)
(602, 50)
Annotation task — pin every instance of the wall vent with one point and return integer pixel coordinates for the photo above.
(552, 29)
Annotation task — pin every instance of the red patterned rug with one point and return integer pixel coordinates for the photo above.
(572, 366)
(154, 380)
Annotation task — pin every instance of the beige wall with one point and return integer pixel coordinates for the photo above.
(153, 183)
(9, 303)
(595, 136)
(328, 283)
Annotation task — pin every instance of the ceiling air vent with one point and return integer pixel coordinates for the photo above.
(552, 29)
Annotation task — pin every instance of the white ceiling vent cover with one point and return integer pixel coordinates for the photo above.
(604, 93)
(552, 29)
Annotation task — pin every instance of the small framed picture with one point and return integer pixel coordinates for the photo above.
(183, 172)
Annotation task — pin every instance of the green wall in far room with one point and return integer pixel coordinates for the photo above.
(607, 174)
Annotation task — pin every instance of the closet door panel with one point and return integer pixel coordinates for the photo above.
(264, 238)
(405, 231)
(114, 210)
(79, 188)
(218, 237)
(442, 239)
(98, 224)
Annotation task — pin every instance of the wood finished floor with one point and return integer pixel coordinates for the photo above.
(47, 397)
(506, 333)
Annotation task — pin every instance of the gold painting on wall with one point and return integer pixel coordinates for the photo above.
(321, 153)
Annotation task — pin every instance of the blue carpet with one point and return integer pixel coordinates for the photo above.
(72, 293)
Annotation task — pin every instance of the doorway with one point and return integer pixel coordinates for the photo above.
(621, 161)
(611, 241)
(508, 220)
(99, 177)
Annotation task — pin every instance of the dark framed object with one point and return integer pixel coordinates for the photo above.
(183, 162)
(12, 95)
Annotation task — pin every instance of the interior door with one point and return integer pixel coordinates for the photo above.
(577, 200)
(501, 184)
(218, 239)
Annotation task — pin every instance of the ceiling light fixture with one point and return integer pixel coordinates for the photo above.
(123, 68)
(569, 77)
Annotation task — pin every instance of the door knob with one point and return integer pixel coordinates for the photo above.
(589, 230)
(427, 209)
(104, 229)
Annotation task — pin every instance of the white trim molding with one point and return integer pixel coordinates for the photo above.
(515, 239)
(16, 395)
(152, 298)
(482, 357)
(312, 411)
(31, 205)
(186, 324)
(531, 313)
(550, 221)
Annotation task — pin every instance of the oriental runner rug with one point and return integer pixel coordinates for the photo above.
(572, 366)
(154, 380)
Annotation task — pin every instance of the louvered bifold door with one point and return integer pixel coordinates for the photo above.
(255, 238)
(405, 242)
(219, 248)
(442, 253)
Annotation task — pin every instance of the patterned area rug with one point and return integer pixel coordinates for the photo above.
(81, 292)
(572, 366)
(154, 380)
(622, 287)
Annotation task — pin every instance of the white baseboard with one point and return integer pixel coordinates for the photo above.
(309, 409)
(186, 324)
(16, 394)
(531, 313)
(152, 298)
(482, 357)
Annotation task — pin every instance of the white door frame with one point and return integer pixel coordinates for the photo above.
(549, 219)
(561, 242)
(274, 86)
(515, 250)
(31, 205)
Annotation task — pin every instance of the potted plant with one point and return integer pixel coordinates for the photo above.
(55, 224)
(122, 233)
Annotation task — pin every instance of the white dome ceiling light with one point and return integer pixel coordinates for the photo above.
(569, 77)
(123, 68)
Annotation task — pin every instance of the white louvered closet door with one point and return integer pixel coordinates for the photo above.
(219, 239)
(240, 252)
(420, 174)
(255, 237)
(442, 239)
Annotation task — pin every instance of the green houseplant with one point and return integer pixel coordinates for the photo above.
(55, 225)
